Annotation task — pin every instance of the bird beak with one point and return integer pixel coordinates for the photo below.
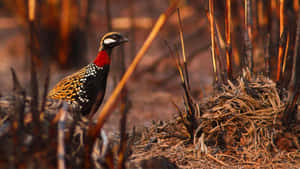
(123, 40)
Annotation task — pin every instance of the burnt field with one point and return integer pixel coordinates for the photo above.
(198, 84)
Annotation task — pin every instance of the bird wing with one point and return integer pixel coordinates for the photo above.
(68, 88)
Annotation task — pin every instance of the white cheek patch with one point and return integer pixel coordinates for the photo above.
(109, 41)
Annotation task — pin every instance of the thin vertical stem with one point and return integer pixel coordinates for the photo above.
(296, 5)
(45, 92)
(19, 99)
(228, 38)
(212, 37)
(294, 90)
(281, 30)
(285, 54)
(33, 76)
(183, 49)
(181, 34)
(267, 55)
(31, 8)
(60, 139)
(296, 52)
(123, 136)
(248, 34)
(261, 14)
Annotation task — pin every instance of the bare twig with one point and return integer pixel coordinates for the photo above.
(123, 136)
(248, 34)
(125, 101)
(221, 59)
(296, 51)
(188, 120)
(186, 75)
(33, 74)
(296, 6)
(19, 96)
(61, 145)
(31, 7)
(34, 95)
(16, 84)
(280, 49)
(267, 55)
(212, 37)
(45, 92)
(188, 96)
(217, 160)
(124, 109)
(294, 91)
(285, 54)
(228, 38)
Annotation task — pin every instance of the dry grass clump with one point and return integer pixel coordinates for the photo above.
(239, 125)
(242, 122)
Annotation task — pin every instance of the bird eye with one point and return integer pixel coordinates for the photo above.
(109, 41)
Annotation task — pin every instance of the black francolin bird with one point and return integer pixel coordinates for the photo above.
(86, 88)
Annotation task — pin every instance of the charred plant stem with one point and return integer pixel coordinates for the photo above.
(221, 61)
(281, 31)
(291, 108)
(61, 146)
(45, 92)
(285, 54)
(228, 38)
(123, 135)
(19, 99)
(212, 37)
(294, 78)
(124, 108)
(248, 34)
(294, 91)
(33, 74)
(183, 50)
(267, 55)
(296, 6)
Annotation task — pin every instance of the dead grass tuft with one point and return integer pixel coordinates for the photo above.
(239, 126)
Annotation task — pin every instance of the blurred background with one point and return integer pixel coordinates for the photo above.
(66, 37)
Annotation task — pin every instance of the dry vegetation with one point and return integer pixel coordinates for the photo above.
(248, 120)
(239, 125)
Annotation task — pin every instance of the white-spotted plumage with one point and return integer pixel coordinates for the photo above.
(75, 85)
(86, 87)
(91, 72)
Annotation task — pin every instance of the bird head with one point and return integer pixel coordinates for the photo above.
(111, 40)
(107, 43)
